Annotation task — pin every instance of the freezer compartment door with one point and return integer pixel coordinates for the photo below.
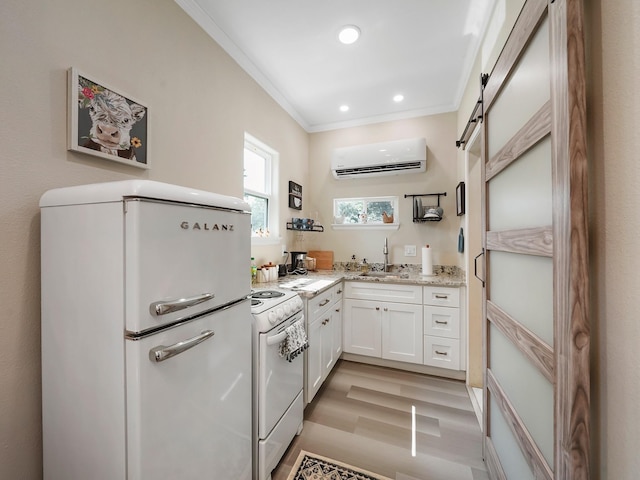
(189, 414)
(181, 260)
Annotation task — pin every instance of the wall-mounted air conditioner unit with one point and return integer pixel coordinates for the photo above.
(375, 159)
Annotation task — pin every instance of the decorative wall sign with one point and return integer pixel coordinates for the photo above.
(105, 123)
(295, 195)
(460, 199)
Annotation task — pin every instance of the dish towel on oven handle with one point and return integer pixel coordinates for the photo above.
(295, 342)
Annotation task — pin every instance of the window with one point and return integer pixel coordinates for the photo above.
(260, 163)
(366, 210)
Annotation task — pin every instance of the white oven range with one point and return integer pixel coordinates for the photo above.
(277, 381)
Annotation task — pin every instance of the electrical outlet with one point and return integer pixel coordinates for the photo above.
(284, 250)
(409, 250)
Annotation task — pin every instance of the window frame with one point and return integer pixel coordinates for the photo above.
(271, 158)
(395, 201)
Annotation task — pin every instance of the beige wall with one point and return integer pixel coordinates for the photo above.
(613, 105)
(200, 103)
(439, 131)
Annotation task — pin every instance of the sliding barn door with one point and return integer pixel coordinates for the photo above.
(536, 333)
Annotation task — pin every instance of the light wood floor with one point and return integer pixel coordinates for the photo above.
(362, 416)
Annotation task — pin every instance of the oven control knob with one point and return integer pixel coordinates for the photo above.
(272, 317)
(280, 314)
(287, 308)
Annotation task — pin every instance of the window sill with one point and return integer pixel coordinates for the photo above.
(365, 226)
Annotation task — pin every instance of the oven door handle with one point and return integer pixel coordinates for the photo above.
(275, 339)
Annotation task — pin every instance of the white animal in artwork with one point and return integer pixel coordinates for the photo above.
(112, 118)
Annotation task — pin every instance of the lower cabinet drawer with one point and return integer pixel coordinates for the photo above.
(319, 303)
(442, 321)
(442, 352)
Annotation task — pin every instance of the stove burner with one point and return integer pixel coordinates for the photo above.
(267, 294)
(255, 303)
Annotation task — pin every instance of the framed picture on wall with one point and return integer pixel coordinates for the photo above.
(295, 195)
(105, 123)
(460, 199)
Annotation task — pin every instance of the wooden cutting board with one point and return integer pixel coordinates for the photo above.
(324, 259)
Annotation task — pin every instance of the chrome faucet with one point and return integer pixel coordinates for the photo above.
(385, 251)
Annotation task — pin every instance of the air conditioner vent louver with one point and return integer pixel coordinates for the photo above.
(377, 159)
(394, 167)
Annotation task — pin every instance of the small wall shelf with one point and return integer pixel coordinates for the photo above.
(314, 228)
(418, 213)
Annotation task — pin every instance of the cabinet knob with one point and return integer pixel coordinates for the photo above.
(339, 292)
(337, 309)
(386, 309)
(441, 353)
(377, 308)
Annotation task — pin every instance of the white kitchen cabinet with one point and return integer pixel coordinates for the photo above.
(324, 332)
(402, 332)
(391, 330)
(336, 319)
(314, 361)
(362, 327)
(443, 332)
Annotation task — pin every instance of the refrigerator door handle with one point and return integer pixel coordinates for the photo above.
(161, 352)
(162, 308)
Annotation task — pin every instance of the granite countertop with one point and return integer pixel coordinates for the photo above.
(317, 281)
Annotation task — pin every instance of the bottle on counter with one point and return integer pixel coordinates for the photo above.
(254, 271)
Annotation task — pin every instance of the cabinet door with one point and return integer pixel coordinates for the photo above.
(362, 327)
(326, 340)
(314, 359)
(336, 321)
(402, 332)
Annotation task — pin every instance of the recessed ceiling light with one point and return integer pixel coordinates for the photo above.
(349, 34)
(398, 98)
(344, 108)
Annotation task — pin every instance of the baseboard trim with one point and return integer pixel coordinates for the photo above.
(409, 367)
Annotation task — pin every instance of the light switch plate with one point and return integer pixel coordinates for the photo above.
(409, 250)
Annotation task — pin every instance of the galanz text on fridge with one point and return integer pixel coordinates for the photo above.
(206, 226)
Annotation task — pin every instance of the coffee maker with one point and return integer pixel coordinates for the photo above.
(297, 263)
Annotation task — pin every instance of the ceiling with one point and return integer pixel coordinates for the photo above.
(422, 49)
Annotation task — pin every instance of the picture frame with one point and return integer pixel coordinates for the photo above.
(460, 199)
(295, 195)
(106, 123)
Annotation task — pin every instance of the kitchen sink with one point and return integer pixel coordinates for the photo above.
(384, 275)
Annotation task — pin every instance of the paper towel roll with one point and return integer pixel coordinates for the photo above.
(427, 261)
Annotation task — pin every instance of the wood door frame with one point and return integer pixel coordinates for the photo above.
(566, 363)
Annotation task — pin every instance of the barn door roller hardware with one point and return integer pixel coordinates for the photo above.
(476, 115)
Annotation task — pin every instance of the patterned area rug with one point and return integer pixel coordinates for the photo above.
(310, 466)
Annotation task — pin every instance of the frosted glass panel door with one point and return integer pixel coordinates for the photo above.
(536, 368)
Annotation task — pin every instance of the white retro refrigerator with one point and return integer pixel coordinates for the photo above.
(146, 333)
